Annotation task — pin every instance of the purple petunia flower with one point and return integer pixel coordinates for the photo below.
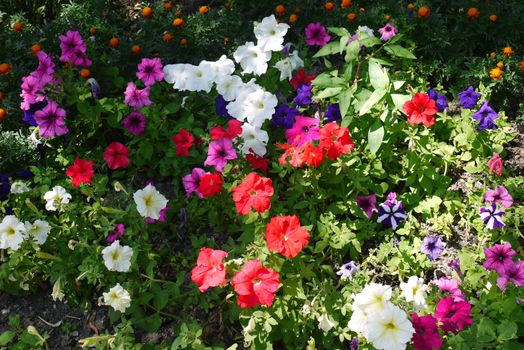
(221, 107)
(31, 91)
(303, 97)
(486, 116)
(29, 115)
(117, 232)
(347, 270)
(284, 116)
(499, 195)
(316, 34)
(95, 88)
(367, 204)
(191, 182)
(354, 344)
(5, 187)
(137, 98)
(74, 49)
(440, 100)
(46, 68)
(332, 113)
(25, 174)
(391, 214)
(135, 123)
(492, 216)
(499, 257)
(50, 120)
(219, 152)
(432, 246)
(150, 70)
(387, 32)
(515, 274)
(468, 98)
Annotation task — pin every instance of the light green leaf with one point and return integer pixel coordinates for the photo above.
(331, 91)
(375, 136)
(378, 76)
(328, 49)
(352, 51)
(399, 100)
(399, 51)
(344, 101)
(375, 97)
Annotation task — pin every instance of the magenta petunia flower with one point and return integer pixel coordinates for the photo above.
(515, 274)
(137, 98)
(74, 49)
(450, 285)
(117, 232)
(499, 257)
(50, 121)
(304, 130)
(192, 181)
(426, 336)
(135, 123)
(78, 58)
(454, 315)
(46, 68)
(316, 34)
(367, 204)
(499, 195)
(219, 152)
(31, 91)
(387, 32)
(150, 70)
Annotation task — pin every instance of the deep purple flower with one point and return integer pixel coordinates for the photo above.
(368, 204)
(432, 246)
(50, 120)
(117, 232)
(219, 152)
(468, 98)
(182, 215)
(354, 344)
(410, 14)
(433, 94)
(391, 214)
(221, 107)
(135, 123)
(284, 116)
(499, 195)
(162, 218)
(440, 100)
(515, 274)
(387, 32)
(25, 174)
(303, 97)
(191, 182)
(137, 98)
(286, 50)
(29, 115)
(316, 34)
(347, 270)
(5, 187)
(486, 116)
(150, 70)
(79, 58)
(499, 257)
(492, 216)
(332, 113)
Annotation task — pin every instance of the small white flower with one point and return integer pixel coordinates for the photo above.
(325, 323)
(56, 197)
(223, 66)
(18, 187)
(365, 30)
(255, 139)
(259, 106)
(12, 232)
(270, 34)
(118, 298)
(149, 202)
(288, 65)
(415, 290)
(39, 230)
(390, 329)
(252, 58)
(373, 297)
(229, 86)
(201, 77)
(117, 257)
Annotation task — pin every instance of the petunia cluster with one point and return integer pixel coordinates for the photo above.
(500, 259)
(74, 49)
(14, 232)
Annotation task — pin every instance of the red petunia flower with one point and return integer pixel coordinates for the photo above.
(255, 284)
(258, 162)
(81, 171)
(116, 156)
(183, 141)
(301, 78)
(335, 140)
(420, 110)
(285, 235)
(311, 155)
(234, 128)
(254, 192)
(209, 270)
(210, 184)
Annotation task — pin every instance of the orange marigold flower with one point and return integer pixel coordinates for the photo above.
(3, 114)
(521, 66)
(93, 31)
(361, 10)
(5, 68)
(387, 17)
(500, 65)
(203, 9)
(473, 13)
(352, 17)
(411, 6)
(18, 27)
(167, 37)
(147, 12)
(493, 18)
(346, 3)
(178, 22)
(293, 18)
(85, 73)
(280, 10)
(168, 6)
(35, 48)
(423, 12)
(495, 73)
(183, 42)
(114, 42)
(329, 6)
(493, 54)
(136, 49)
(507, 51)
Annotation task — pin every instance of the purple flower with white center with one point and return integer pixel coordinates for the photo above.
(191, 182)
(492, 216)
(515, 274)
(332, 113)
(221, 107)
(137, 98)
(391, 214)
(162, 218)
(432, 246)
(29, 115)
(499, 195)
(468, 98)
(95, 88)
(219, 152)
(117, 232)
(387, 32)
(303, 97)
(486, 116)
(150, 70)
(135, 123)
(284, 116)
(499, 257)
(367, 204)
(50, 120)
(347, 271)
(316, 34)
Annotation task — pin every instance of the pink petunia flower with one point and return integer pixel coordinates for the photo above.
(387, 32)
(515, 274)
(192, 181)
(450, 285)
(137, 98)
(150, 70)
(50, 121)
(135, 123)
(499, 257)
(499, 195)
(117, 232)
(316, 34)
(219, 152)
(454, 315)
(426, 336)
(495, 164)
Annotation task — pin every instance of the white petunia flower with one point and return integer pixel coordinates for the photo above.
(359, 320)
(201, 77)
(12, 232)
(259, 106)
(18, 187)
(325, 323)
(229, 86)
(390, 329)
(222, 67)
(39, 230)
(149, 202)
(56, 197)
(236, 108)
(415, 290)
(117, 257)
(57, 293)
(288, 65)
(252, 59)
(255, 139)
(270, 34)
(373, 297)
(118, 298)
(178, 75)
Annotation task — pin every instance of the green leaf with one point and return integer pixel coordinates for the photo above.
(399, 100)
(352, 51)
(339, 31)
(399, 51)
(332, 91)
(506, 331)
(328, 49)
(370, 41)
(6, 337)
(344, 101)
(378, 76)
(375, 97)
(375, 137)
